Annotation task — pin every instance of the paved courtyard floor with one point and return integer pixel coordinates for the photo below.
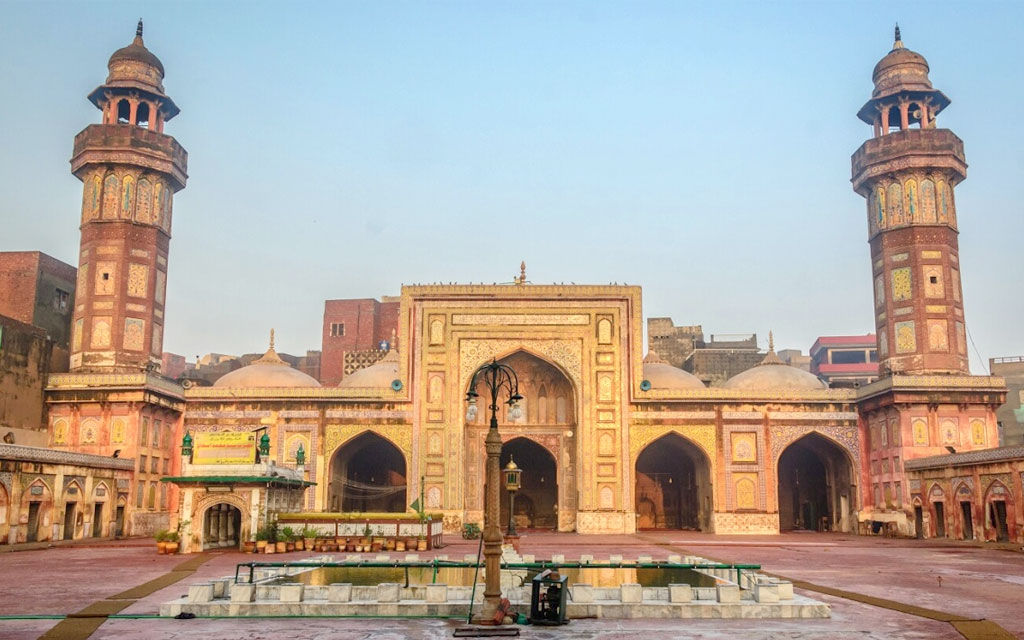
(967, 582)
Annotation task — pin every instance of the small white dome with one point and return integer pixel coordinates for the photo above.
(268, 371)
(376, 376)
(664, 376)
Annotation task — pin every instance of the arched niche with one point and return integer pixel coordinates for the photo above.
(815, 485)
(367, 473)
(673, 485)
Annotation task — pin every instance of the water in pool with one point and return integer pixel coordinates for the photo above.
(463, 576)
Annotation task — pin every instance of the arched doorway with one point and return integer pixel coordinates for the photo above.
(222, 524)
(548, 423)
(998, 504)
(367, 474)
(4, 526)
(673, 485)
(37, 504)
(537, 499)
(815, 485)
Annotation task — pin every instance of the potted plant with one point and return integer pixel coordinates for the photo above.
(309, 537)
(171, 542)
(261, 539)
(282, 539)
(161, 541)
(400, 544)
(272, 541)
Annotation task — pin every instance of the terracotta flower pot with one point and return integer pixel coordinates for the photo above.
(270, 549)
(172, 548)
(248, 546)
(300, 545)
(421, 545)
(310, 543)
(400, 545)
(261, 546)
(161, 548)
(282, 547)
(289, 546)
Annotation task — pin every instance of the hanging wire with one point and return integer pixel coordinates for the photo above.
(984, 362)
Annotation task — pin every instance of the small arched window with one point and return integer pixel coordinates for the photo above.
(124, 112)
(142, 115)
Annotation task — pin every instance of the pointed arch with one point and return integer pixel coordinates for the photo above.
(816, 485)
(673, 484)
(537, 499)
(367, 472)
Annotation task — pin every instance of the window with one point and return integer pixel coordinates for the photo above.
(61, 301)
(155, 468)
(167, 466)
(144, 434)
(156, 433)
(152, 495)
(139, 489)
(142, 464)
(337, 329)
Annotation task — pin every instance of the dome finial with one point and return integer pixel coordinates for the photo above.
(271, 338)
(897, 41)
(771, 357)
(138, 29)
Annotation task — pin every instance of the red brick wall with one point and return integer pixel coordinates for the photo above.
(19, 273)
(367, 322)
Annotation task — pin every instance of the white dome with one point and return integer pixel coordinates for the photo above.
(665, 377)
(376, 376)
(268, 371)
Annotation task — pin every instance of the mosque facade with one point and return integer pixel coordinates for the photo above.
(611, 440)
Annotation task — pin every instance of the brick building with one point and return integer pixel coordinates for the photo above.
(845, 361)
(1011, 414)
(27, 356)
(353, 333)
(39, 290)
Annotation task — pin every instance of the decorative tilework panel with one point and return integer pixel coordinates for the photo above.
(138, 279)
(902, 287)
(906, 337)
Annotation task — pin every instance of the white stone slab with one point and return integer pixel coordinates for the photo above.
(339, 592)
(388, 592)
(680, 593)
(631, 593)
(582, 593)
(728, 593)
(200, 592)
(437, 593)
(243, 592)
(292, 592)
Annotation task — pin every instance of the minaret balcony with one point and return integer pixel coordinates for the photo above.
(130, 145)
(907, 150)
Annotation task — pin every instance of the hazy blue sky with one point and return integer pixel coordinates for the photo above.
(699, 150)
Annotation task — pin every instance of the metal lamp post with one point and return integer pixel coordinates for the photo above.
(512, 482)
(500, 380)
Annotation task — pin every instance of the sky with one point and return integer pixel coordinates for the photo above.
(700, 150)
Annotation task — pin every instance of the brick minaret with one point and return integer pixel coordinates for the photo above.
(130, 170)
(907, 173)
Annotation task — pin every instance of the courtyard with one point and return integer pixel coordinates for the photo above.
(877, 588)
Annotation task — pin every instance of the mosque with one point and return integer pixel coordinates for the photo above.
(610, 439)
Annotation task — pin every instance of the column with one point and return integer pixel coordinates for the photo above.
(223, 526)
(904, 115)
(134, 111)
(885, 120)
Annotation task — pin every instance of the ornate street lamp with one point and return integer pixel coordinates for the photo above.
(300, 456)
(512, 483)
(500, 380)
(186, 446)
(264, 446)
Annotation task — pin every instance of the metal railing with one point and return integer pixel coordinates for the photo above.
(436, 565)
